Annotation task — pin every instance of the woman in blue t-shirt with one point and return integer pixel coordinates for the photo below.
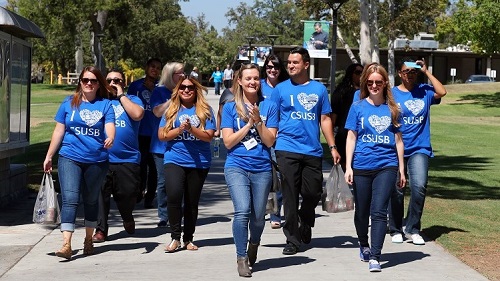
(249, 126)
(85, 130)
(188, 126)
(374, 159)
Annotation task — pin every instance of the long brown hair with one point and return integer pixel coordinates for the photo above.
(238, 91)
(203, 110)
(103, 91)
(387, 93)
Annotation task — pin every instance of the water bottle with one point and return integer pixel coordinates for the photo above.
(216, 147)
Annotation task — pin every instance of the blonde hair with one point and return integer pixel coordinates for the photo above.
(167, 74)
(387, 93)
(203, 110)
(238, 91)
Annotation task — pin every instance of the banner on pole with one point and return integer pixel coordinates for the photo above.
(316, 35)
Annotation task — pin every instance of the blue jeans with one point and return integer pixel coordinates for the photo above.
(76, 178)
(217, 87)
(249, 193)
(417, 167)
(277, 217)
(372, 193)
(161, 191)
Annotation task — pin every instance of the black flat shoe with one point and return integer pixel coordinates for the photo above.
(290, 249)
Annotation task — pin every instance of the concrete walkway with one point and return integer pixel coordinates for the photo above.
(26, 249)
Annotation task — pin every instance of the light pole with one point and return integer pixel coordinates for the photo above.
(273, 38)
(250, 41)
(335, 6)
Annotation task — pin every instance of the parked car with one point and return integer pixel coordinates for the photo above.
(479, 79)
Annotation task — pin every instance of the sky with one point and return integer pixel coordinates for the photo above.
(214, 10)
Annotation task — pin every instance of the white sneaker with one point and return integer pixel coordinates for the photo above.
(417, 239)
(397, 238)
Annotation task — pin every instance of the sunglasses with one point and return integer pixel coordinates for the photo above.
(409, 71)
(358, 72)
(275, 67)
(183, 87)
(87, 80)
(378, 83)
(116, 80)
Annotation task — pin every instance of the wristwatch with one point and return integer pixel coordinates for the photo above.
(120, 95)
(332, 147)
(258, 123)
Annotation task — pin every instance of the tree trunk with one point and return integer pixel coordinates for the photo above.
(346, 46)
(98, 21)
(390, 61)
(374, 31)
(365, 53)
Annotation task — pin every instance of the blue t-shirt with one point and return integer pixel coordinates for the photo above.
(217, 76)
(415, 108)
(267, 91)
(300, 109)
(356, 96)
(84, 134)
(186, 150)
(257, 159)
(375, 142)
(147, 126)
(125, 148)
(160, 95)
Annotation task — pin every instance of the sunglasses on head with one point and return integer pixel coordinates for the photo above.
(87, 80)
(116, 80)
(409, 71)
(183, 87)
(378, 83)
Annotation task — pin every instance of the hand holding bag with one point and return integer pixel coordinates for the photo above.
(46, 210)
(338, 197)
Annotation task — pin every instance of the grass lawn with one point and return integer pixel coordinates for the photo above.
(463, 195)
(463, 199)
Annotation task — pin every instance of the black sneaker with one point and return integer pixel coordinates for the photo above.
(305, 233)
(290, 249)
(162, 224)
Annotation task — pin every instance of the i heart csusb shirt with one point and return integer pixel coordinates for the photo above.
(84, 135)
(375, 142)
(300, 109)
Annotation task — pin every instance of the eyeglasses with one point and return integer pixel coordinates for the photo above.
(275, 67)
(116, 80)
(378, 83)
(409, 71)
(358, 72)
(183, 87)
(87, 80)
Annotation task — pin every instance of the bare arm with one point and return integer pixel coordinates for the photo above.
(219, 120)
(160, 109)
(232, 138)
(110, 133)
(349, 153)
(267, 135)
(401, 162)
(440, 90)
(55, 142)
(327, 128)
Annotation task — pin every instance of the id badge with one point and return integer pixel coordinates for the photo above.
(251, 143)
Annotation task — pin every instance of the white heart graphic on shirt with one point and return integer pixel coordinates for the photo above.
(118, 110)
(415, 106)
(379, 123)
(146, 95)
(308, 101)
(90, 117)
(193, 119)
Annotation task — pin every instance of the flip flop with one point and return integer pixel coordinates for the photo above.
(275, 224)
(190, 246)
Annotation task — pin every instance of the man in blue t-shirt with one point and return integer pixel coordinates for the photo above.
(303, 108)
(123, 177)
(143, 88)
(217, 77)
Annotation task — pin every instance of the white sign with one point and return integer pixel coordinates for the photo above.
(453, 72)
(493, 73)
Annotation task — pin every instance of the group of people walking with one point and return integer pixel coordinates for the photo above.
(154, 141)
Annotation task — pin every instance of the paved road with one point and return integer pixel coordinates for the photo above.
(26, 249)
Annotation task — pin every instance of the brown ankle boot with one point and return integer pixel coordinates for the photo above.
(65, 251)
(243, 269)
(252, 253)
(88, 246)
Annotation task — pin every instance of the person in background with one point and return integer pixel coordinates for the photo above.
(228, 77)
(414, 100)
(172, 73)
(84, 131)
(123, 178)
(249, 127)
(194, 74)
(143, 88)
(273, 73)
(304, 108)
(374, 152)
(341, 100)
(188, 126)
(227, 95)
(217, 77)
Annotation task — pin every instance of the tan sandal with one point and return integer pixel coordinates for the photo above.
(174, 246)
(190, 246)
